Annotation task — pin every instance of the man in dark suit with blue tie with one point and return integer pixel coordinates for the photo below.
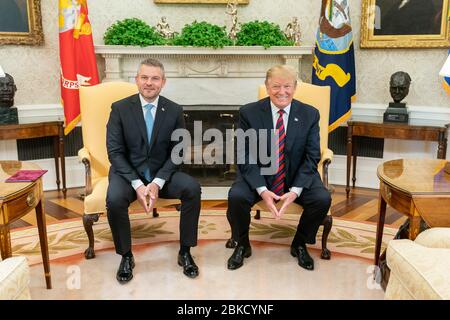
(139, 147)
(295, 178)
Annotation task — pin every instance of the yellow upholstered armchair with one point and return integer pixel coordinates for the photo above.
(318, 97)
(95, 107)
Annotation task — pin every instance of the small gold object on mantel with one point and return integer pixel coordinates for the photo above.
(447, 167)
(164, 29)
(293, 32)
(232, 11)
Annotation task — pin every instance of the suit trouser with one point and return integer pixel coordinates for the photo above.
(180, 186)
(315, 201)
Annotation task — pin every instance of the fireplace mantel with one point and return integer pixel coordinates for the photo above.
(203, 75)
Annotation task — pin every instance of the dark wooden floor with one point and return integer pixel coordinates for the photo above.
(361, 206)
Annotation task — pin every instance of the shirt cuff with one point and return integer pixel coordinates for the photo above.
(160, 182)
(296, 190)
(136, 183)
(261, 189)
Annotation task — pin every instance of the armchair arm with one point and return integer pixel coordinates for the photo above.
(85, 157)
(327, 154)
(325, 160)
(14, 279)
(434, 238)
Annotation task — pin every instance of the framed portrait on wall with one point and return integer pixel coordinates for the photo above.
(21, 22)
(405, 24)
(200, 1)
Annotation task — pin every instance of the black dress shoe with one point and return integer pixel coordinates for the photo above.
(231, 244)
(186, 261)
(125, 271)
(303, 257)
(237, 258)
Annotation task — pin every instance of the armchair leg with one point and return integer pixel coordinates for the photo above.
(327, 224)
(155, 213)
(88, 221)
(258, 214)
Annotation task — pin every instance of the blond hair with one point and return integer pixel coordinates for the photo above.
(282, 70)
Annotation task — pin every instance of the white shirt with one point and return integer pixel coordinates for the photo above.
(138, 182)
(275, 116)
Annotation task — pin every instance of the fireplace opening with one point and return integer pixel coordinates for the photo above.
(222, 118)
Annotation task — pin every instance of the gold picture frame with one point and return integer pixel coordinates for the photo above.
(380, 30)
(200, 1)
(21, 22)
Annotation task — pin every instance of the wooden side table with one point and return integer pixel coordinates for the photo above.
(418, 188)
(37, 130)
(390, 131)
(18, 199)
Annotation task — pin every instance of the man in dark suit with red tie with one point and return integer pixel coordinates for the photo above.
(139, 147)
(295, 177)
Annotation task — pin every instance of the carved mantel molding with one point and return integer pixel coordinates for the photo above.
(182, 62)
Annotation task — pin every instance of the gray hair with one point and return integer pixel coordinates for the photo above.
(152, 63)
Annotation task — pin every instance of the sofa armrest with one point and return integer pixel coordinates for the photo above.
(85, 157)
(14, 279)
(422, 272)
(434, 238)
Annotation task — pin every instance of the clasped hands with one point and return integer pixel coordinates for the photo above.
(147, 196)
(271, 198)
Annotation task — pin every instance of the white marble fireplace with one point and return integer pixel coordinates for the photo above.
(203, 76)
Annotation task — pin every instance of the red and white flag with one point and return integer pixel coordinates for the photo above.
(76, 52)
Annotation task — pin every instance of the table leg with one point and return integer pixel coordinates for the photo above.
(380, 227)
(63, 159)
(349, 158)
(414, 222)
(5, 242)
(56, 156)
(40, 218)
(355, 156)
(442, 146)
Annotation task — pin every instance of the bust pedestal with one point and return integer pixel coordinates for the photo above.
(8, 115)
(396, 112)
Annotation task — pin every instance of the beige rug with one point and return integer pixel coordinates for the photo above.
(270, 273)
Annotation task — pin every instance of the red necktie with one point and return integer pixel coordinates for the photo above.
(278, 182)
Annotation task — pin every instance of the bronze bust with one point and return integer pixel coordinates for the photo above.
(399, 89)
(8, 113)
(399, 86)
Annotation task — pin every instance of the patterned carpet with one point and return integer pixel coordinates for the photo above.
(69, 238)
(155, 244)
(361, 206)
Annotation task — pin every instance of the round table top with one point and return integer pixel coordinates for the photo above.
(416, 176)
(7, 169)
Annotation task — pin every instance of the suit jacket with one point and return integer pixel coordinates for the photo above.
(302, 146)
(129, 150)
